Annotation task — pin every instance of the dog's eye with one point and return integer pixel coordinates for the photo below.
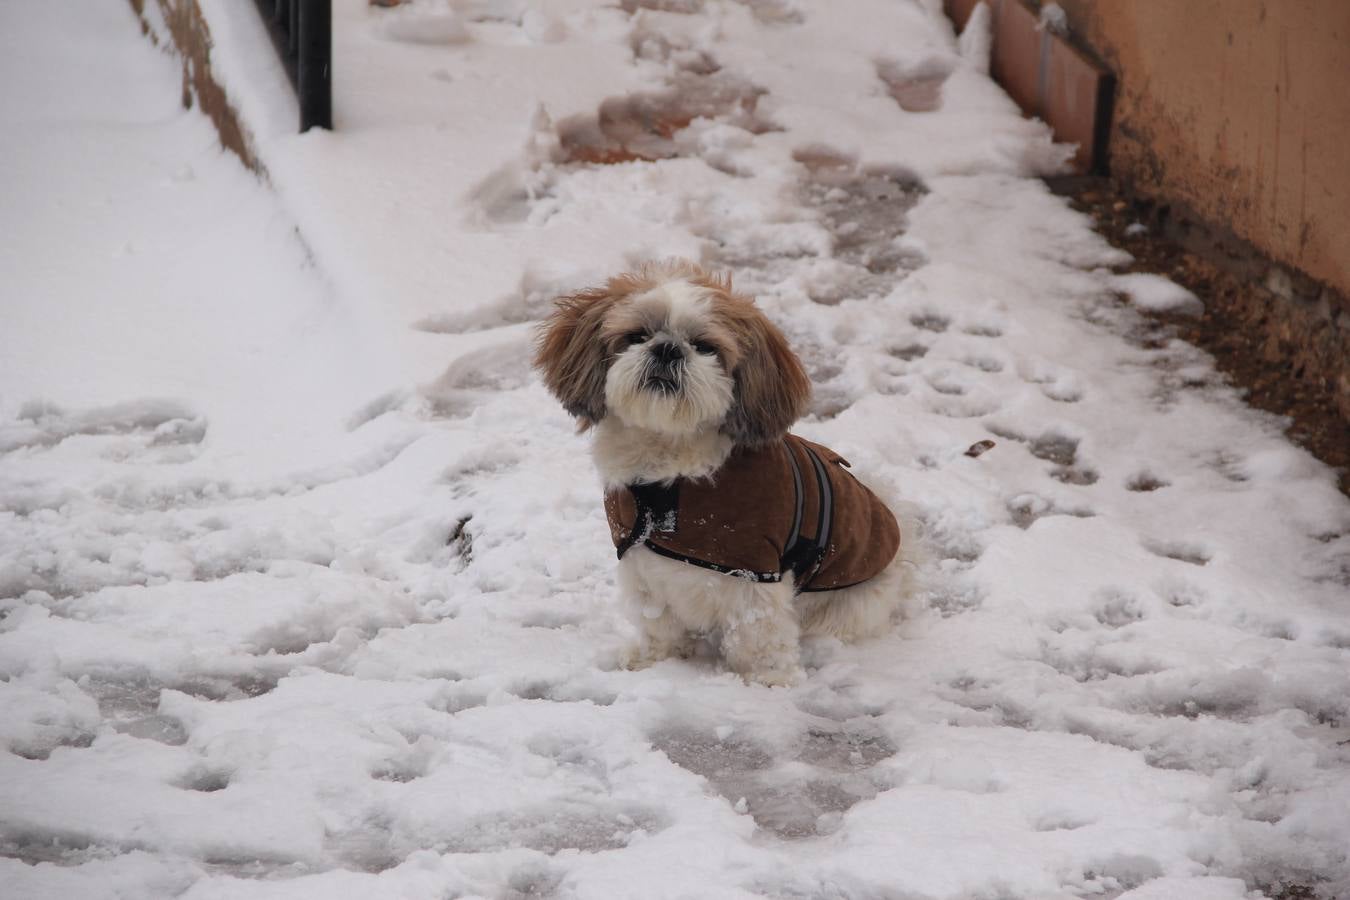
(634, 337)
(704, 347)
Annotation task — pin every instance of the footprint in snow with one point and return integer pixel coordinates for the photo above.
(947, 384)
(1181, 594)
(204, 780)
(954, 599)
(983, 363)
(153, 423)
(908, 352)
(1026, 509)
(963, 406)
(1062, 450)
(1145, 482)
(1054, 447)
(132, 708)
(1182, 551)
(930, 321)
(1116, 608)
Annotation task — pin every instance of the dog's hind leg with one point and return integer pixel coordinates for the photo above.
(852, 614)
(663, 636)
(870, 609)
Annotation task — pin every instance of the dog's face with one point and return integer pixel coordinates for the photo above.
(670, 360)
(671, 349)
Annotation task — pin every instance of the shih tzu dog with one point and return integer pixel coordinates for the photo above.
(726, 526)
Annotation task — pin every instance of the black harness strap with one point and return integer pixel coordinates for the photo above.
(824, 518)
(761, 577)
(657, 507)
(804, 556)
(795, 532)
(826, 521)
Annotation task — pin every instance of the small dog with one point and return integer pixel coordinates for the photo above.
(725, 524)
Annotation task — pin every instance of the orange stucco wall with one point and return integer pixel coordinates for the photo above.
(1239, 110)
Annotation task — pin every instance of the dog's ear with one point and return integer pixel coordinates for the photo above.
(772, 389)
(570, 351)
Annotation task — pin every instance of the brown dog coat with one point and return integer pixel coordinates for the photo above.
(788, 506)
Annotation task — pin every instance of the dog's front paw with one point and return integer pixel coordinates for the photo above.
(778, 677)
(647, 653)
(636, 657)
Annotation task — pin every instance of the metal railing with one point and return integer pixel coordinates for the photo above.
(302, 31)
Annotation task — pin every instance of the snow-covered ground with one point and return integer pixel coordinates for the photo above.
(307, 591)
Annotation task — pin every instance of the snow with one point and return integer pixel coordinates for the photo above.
(1158, 294)
(1054, 18)
(305, 581)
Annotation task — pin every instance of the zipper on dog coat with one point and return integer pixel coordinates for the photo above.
(787, 507)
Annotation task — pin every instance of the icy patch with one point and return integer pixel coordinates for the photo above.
(830, 772)
(864, 211)
(647, 126)
(132, 708)
(552, 830)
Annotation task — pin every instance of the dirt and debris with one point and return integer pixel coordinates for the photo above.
(1225, 329)
(979, 448)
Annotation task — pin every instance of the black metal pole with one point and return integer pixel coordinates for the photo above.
(292, 28)
(314, 40)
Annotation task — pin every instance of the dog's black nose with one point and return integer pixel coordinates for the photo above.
(667, 353)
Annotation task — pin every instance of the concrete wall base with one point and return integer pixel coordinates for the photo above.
(1293, 319)
(190, 40)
